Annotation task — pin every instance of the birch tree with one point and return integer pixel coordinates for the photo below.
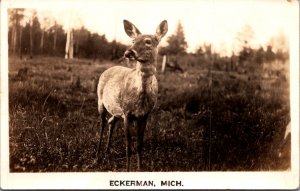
(74, 22)
(15, 17)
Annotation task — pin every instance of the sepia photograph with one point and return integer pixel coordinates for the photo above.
(154, 88)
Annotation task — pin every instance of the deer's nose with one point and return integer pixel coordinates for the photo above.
(131, 54)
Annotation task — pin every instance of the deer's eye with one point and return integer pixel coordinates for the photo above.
(148, 42)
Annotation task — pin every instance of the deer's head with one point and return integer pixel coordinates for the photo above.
(144, 47)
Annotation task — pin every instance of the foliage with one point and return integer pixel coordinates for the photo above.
(176, 42)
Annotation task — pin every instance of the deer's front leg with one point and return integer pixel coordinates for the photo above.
(141, 125)
(127, 123)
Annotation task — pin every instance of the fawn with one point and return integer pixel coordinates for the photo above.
(128, 93)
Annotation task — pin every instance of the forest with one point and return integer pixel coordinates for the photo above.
(28, 37)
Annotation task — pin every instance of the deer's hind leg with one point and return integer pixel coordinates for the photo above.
(102, 112)
(112, 123)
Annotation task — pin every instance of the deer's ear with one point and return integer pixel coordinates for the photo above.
(130, 29)
(161, 30)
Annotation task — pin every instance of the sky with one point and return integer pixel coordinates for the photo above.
(204, 21)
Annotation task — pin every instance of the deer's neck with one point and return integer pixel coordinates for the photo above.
(145, 73)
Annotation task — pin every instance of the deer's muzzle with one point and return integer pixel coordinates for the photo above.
(131, 54)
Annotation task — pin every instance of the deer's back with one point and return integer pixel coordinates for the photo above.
(120, 91)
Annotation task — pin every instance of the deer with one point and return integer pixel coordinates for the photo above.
(130, 94)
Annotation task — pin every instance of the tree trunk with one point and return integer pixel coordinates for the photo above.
(31, 39)
(42, 41)
(11, 40)
(163, 65)
(20, 42)
(69, 45)
(14, 38)
(77, 43)
(71, 48)
(54, 39)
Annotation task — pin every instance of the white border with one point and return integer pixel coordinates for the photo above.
(190, 180)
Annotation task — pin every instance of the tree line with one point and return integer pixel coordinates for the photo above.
(246, 58)
(34, 37)
(30, 38)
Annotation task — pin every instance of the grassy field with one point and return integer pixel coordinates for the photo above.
(204, 121)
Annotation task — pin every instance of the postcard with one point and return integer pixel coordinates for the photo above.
(150, 94)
